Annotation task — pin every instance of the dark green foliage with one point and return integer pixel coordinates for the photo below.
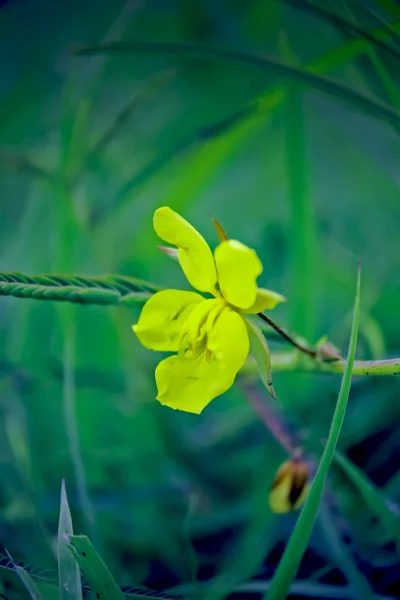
(75, 288)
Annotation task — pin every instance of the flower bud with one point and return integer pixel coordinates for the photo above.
(222, 236)
(326, 351)
(290, 487)
(171, 252)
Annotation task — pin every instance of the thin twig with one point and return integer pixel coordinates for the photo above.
(309, 351)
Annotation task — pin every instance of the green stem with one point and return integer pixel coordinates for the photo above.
(293, 361)
(390, 366)
(310, 351)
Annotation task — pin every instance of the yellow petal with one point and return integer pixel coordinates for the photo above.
(237, 268)
(279, 499)
(191, 381)
(194, 254)
(290, 487)
(197, 324)
(162, 318)
(265, 300)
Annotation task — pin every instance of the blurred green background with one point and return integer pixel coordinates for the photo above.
(305, 171)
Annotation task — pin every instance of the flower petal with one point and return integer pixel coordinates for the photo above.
(194, 254)
(279, 498)
(237, 268)
(162, 318)
(191, 381)
(197, 324)
(290, 487)
(265, 300)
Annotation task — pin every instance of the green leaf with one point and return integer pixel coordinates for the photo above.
(78, 289)
(303, 230)
(343, 556)
(48, 585)
(99, 578)
(135, 298)
(23, 165)
(68, 570)
(27, 580)
(209, 147)
(289, 564)
(330, 87)
(260, 350)
(343, 24)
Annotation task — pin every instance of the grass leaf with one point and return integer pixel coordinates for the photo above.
(68, 570)
(343, 24)
(27, 580)
(224, 136)
(376, 501)
(326, 85)
(289, 564)
(302, 223)
(98, 576)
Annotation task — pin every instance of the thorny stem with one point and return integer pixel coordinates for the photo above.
(309, 351)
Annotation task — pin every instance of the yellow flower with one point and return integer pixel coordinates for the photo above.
(210, 335)
(290, 487)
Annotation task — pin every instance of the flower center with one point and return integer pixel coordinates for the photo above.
(198, 326)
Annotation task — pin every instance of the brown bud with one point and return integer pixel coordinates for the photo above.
(326, 351)
(290, 486)
(220, 230)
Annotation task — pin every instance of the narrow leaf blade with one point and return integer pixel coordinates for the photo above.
(68, 570)
(97, 574)
(376, 501)
(27, 580)
(289, 564)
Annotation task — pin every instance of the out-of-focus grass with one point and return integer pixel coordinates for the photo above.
(312, 184)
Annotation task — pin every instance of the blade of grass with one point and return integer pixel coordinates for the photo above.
(27, 581)
(289, 564)
(49, 585)
(342, 24)
(302, 223)
(321, 83)
(141, 96)
(246, 557)
(387, 83)
(358, 582)
(24, 166)
(68, 570)
(71, 423)
(390, 6)
(99, 578)
(235, 128)
(379, 505)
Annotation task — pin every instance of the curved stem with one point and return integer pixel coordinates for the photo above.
(309, 351)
